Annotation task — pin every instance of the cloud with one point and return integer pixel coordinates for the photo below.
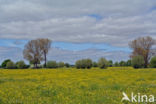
(12, 53)
(69, 56)
(73, 21)
(113, 22)
(94, 54)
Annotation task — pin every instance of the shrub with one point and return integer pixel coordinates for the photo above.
(20, 65)
(84, 63)
(103, 63)
(110, 63)
(128, 63)
(67, 65)
(4, 63)
(61, 64)
(138, 62)
(52, 64)
(116, 64)
(122, 63)
(78, 64)
(88, 63)
(10, 65)
(153, 62)
(94, 64)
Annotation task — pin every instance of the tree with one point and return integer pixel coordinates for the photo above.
(88, 63)
(103, 63)
(128, 63)
(84, 63)
(33, 53)
(110, 63)
(52, 64)
(20, 65)
(78, 64)
(116, 64)
(67, 65)
(61, 64)
(122, 63)
(153, 62)
(94, 64)
(10, 65)
(138, 61)
(4, 63)
(142, 46)
(45, 45)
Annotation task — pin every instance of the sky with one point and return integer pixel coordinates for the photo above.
(79, 29)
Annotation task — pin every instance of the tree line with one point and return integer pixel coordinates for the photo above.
(35, 51)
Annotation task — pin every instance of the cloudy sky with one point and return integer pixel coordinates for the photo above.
(78, 28)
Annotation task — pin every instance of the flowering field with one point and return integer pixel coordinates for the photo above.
(72, 86)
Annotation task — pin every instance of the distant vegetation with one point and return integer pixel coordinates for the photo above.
(35, 51)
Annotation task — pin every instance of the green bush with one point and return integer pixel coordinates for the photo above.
(94, 64)
(103, 63)
(84, 63)
(4, 63)
(138, 62)
(116, 64)
(110, 63)
(61, 64)
(88, 63)
(122, 63)
(67, 65)
(78, 64)
(21, 65)
(153, 62)
(10, 65)
(128, 63)
(52, 64)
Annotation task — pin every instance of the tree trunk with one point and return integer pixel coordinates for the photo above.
(45, 59)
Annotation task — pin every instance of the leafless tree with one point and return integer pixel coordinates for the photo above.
(36, 51)
(142, 46)
(45, 45)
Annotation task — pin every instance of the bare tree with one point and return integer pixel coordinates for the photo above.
(142, 46)
(45, 45)
(32, 52)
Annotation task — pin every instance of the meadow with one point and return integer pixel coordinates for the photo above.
(74, 86)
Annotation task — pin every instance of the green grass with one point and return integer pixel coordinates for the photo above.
(72, 86)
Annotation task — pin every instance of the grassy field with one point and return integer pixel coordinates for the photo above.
(72, 86)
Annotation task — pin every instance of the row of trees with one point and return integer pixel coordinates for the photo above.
(136, 62)
(8, 64)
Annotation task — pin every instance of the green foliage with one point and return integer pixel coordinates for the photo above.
(52, 64)
(116, 64)
(84, 63)
(4, 63)
(67, 65)
(153, 62)
(122, 63)
(103, 63)
(138, 61)
(21, 65)
(10, 65)
(110, 63)
(61, 64)
(94, 64)
(128, 63)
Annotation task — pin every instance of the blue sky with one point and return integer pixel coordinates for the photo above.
(66, 45)
(78, 29)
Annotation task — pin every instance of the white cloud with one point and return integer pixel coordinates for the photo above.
(15, 54)
(71, 21)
